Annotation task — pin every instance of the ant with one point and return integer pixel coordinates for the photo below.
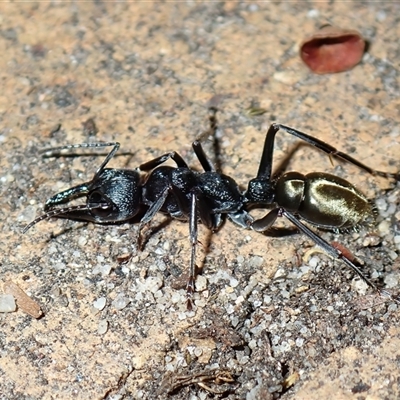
(322, 200)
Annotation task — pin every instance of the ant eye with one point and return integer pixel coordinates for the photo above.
(97, 198)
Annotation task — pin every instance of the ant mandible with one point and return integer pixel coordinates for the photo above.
(323, 200)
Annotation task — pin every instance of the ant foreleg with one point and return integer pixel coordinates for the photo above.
(154, 208)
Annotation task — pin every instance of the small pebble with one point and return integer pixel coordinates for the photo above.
(27, 215)
(280, 273)
(201, 283)
(313, 13)
(100, 303)
(240, 259)
(371, 241)
(314, 261)
(381, 204)
(198, 351)
(82, 241)
(256, 261)
(393, 255)
(120, 302)
(7, 303)
(102, 327)
(384, 227)
(360, 286)
(391, 280)
(103, 269)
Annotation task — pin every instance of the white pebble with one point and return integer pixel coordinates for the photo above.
(256, 261)
(103, 269)
(102, 327)
(120, 302)
(27, 215)
(198, 351)
(82, 241)
(391, 280)
(359, 286)
(252, 344)
(313, 13)
(267, 299)
(380, 16)
(279, 273)
(7, 303)
(153, 283)
(314, 261)
(240, 259)
(100, 303)
(381, 204)
(233, 282)
(201, 283)
(384, 227)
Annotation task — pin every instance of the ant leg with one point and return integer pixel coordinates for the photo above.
(332, 251)
(193, 240)
(330, 150)
(173, 155)
(198, 148)
(263, 224)
(265, 167)
(201, 156)
(154, 208)
(150, 213)
(212, 112)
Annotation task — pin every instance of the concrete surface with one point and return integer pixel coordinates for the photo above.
(271, 320)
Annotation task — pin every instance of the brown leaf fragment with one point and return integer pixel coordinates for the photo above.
(24, 302)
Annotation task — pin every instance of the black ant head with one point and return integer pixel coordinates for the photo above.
(120, 190)
(260, 191)
(113, 195)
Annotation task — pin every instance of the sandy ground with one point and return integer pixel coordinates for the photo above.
(272, 318)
